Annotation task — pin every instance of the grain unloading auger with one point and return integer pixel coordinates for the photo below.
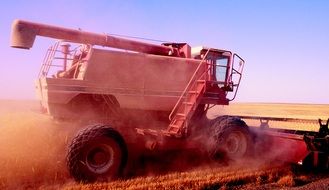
(144, 97)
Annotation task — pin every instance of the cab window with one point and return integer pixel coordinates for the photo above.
(221, 69)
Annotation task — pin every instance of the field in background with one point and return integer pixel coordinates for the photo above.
(298, 111)
(32, 151)
(306, 111)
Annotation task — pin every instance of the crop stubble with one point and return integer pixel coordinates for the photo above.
(32, 153)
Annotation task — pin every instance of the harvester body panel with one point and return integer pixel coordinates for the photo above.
(134, 84)
(136, 80)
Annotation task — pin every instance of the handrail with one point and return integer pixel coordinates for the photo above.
(54, 53)
(48, 59)
(51, 58)
(78, 62)
(188, 85)
(43, 62)
(237, 72)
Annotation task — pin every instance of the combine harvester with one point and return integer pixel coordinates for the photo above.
(138, 97)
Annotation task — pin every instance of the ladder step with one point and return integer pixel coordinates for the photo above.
(185, 107)
(193, 92)
(179, 119)
(201, 81)
(174, 126)
(173, 130)
(188, 103)
(181, 114)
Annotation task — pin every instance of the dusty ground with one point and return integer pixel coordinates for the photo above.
(32, 150)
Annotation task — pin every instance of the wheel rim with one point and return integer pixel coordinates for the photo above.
(99, 159)
(236, 144)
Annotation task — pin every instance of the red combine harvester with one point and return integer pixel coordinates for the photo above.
(139, 97)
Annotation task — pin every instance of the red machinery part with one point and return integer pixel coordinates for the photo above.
(24, 33)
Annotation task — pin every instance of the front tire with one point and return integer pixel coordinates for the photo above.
(231, 139)
(97, 153)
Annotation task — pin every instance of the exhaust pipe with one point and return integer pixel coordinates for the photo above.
(23, 34)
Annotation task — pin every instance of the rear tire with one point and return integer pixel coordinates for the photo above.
(97, 153)
(231, 139)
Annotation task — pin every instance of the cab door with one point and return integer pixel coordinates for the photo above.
(227, 72)
(219, 72)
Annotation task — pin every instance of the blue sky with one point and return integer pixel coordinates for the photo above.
(285, 42)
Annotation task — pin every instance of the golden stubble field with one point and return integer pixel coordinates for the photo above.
(33, 147)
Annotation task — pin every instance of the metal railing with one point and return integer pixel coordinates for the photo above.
(48, 59)
(189, 85)
(228, 80)
(56, 58)
(238, 72)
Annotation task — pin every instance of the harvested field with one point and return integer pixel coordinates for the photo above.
(33, 150)
(298, 111)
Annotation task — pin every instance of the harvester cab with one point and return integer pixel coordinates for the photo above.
(225, 69)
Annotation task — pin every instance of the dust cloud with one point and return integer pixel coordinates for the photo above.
(32, 147)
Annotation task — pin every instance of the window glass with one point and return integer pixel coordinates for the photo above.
(221, 67)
